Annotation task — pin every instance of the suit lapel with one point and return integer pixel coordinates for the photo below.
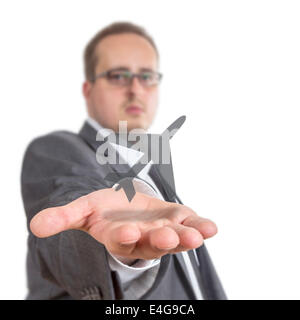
(89, 135)
(167, 190)
(211, 284)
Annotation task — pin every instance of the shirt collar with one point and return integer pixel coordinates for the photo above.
(97, 126)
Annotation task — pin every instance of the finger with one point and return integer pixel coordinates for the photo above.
(205, 226)
(54, 220)
(163, 238)
(121, 240)
(190, 238)
(156, 243)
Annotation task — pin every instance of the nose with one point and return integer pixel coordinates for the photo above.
(135, 87)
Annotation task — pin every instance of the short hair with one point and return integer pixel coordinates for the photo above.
(90, 58)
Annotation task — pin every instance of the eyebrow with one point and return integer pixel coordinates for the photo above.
(121, 68)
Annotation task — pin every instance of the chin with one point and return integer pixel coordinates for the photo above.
(136, 124)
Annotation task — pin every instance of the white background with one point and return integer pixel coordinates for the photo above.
(232, 67)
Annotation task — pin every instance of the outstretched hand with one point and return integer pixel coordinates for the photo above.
(145, 228)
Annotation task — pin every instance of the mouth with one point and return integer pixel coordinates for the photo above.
(134, 109)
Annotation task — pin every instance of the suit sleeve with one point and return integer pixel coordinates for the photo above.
(57, 169)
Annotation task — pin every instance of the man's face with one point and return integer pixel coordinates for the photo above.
(108, 103)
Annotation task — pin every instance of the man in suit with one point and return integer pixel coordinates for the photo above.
(86, 240)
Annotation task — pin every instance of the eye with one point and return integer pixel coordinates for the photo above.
(117, 75)
(146, 76)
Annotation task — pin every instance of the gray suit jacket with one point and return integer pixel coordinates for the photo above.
(61, 167)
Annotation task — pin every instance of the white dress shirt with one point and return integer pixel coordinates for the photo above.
(128, 273)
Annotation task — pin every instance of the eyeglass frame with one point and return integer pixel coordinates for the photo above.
(105, 73)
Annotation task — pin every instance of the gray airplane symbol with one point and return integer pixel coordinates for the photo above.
(125, 182)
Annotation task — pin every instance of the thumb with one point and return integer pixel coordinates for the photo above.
(51, 221)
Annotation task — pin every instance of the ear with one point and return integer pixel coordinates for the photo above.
(86, 90)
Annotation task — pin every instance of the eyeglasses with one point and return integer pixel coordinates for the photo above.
(125, 77)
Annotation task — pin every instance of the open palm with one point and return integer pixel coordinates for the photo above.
(145, 228)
